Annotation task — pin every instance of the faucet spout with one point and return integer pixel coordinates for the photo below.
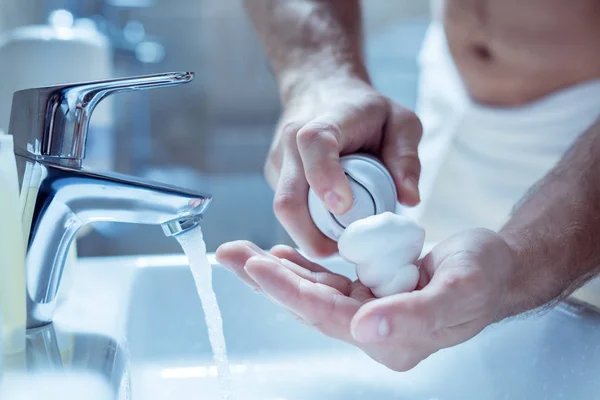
(64, 199)
(50, 127)
(178, 226)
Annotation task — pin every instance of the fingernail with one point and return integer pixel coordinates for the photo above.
(251, 284)
(334, 202)
(411, 184)
(372, 329)
(246, 269)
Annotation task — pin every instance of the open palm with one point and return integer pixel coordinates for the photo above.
(460, 293)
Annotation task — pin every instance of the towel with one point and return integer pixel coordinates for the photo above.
(477, 160)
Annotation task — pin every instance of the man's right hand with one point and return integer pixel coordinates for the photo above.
(330, 118)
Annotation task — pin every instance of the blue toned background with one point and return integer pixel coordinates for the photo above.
(212, 135)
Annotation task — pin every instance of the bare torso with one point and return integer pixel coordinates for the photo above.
(510, 52)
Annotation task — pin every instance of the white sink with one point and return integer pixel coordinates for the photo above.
(152, 304)
(54, 386)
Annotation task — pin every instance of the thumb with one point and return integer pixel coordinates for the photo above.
(320, 143)
(448, 308)
(401, 316)
(402, 134)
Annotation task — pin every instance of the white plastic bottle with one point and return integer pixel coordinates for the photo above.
(12, 259)
(383, 245)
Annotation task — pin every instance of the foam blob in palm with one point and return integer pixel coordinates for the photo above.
(384, 248)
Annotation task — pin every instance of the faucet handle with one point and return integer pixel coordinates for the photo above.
(52, 122)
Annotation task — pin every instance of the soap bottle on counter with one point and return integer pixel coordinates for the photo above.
(12, 261)
(384, 246)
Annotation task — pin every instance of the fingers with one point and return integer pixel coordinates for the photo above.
(311, 271)
(289, 253)
(360, 292)
(291, 202)
(319, 305)
(319, 147)
(307, 155)
(233, 256)
(400, 153)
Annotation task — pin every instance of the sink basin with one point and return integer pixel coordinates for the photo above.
(158, 321)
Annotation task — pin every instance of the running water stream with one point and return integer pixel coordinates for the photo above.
(194, 247)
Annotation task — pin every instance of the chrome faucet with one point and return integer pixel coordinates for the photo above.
(59, 196)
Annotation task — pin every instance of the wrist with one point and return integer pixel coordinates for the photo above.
(515, 301)
(532, 282)
(304, 78)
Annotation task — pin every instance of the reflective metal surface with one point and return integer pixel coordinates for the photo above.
(65, 351)
(52, 122)
(50, 128)
(43, 353)
(179, 226)
(86, 336)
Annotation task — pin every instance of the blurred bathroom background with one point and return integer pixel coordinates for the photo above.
(212, 135)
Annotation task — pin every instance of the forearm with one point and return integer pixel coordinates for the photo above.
(555, 231)
(308, 40)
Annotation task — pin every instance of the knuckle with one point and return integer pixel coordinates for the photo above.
(290, 128)
(286, 204)
(376, 103)
(288, 131)
(409, 120)
(414, 120)
(283, 251)
(410, 160)
(464, 278)
(414, 123)
(453, 281)
(318, 133)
